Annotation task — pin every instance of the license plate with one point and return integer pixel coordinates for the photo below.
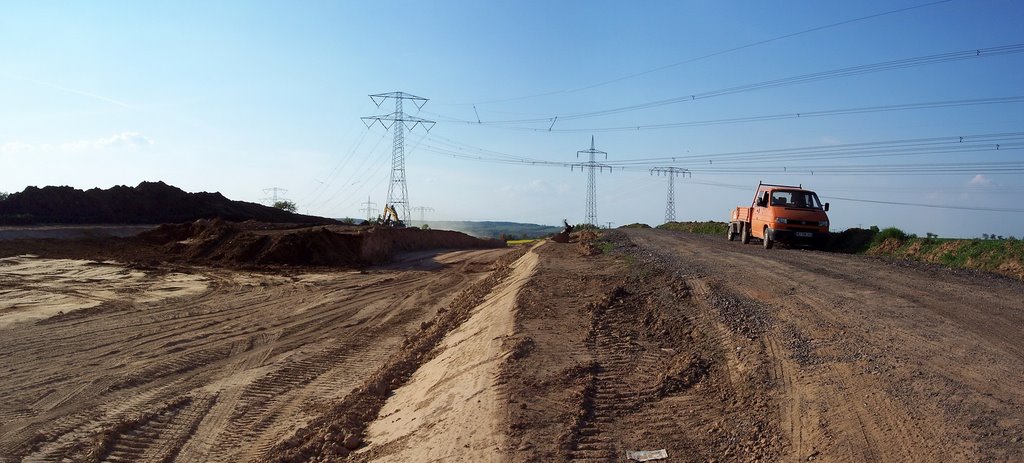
(804, 234)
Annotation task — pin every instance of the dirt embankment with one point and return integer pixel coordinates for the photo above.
(252, 245)
(147, 203)
(1005, 257)
(219, 242)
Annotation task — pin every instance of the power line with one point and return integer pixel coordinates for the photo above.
(709, 55)
(935, 206)
(356, 172)
(784, 116)
(975, 143)
(368, 173)
(930, 145)
(800, 79)
(318, 191)
(370, 168)
(861, 200)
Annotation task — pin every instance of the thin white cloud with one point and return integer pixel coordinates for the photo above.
(830, 140)
(15, 147)
(534, 186)
(122, 140)
(75, 91)
(979, 181)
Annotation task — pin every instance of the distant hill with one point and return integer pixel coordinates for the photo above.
(495, 229)
(147, 203)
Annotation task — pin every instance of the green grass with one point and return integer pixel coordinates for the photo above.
(703, 228)
(998, 256)
(890, 233)
(518, 242)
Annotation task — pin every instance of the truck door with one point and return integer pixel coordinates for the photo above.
(761, 214)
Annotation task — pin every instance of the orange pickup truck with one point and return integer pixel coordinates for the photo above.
(781, 213)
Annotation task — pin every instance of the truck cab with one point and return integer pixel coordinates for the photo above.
(783, 214)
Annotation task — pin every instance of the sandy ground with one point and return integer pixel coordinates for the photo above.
(449, 410)
(195, 364)
(37, 289)
(710, 350)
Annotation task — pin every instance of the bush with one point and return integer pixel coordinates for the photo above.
(636, 225)
(285, 205)
(705, 228)
(890, 232)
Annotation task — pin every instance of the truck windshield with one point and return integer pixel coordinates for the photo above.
(788, 198)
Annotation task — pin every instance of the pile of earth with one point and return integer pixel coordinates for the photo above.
(148, 203)
(217, 242)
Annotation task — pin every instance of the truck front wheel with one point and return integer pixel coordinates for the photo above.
(767, 240)
(744, 233)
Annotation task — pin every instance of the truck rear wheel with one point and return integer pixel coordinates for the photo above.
(731, 232)
(767, 240)
(744, 233)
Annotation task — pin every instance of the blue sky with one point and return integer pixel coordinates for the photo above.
(240, 96)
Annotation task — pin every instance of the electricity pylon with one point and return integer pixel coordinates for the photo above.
(398, 191)
(591, 166)
(369, 209)
(670, 203)
(272, 194)
(422, 209)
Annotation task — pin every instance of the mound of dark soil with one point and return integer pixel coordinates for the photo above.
(850, 241)
(232, 244)
(148, 203)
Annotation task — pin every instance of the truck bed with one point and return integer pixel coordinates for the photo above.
(741, 214)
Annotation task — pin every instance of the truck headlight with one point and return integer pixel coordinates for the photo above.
(823, 223)
(781, 220)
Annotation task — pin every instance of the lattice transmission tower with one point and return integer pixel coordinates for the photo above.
(670, 202)
(421, 210)
(274, 194)
(591, 166)
(398, 190)
(370, 208)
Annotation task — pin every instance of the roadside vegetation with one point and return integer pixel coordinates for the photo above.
(704, 228)
(1004, 256)
(286, 205)
(991, 253)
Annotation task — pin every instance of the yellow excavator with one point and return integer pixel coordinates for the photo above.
(390, 218)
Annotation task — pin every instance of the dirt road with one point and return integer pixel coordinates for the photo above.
(646, 340)
(873, 360)
(104, 362)
(716, 351)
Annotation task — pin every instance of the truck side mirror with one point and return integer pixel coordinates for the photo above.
(760, 202)
(826, 207)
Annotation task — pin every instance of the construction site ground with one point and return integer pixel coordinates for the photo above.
(643, 340)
